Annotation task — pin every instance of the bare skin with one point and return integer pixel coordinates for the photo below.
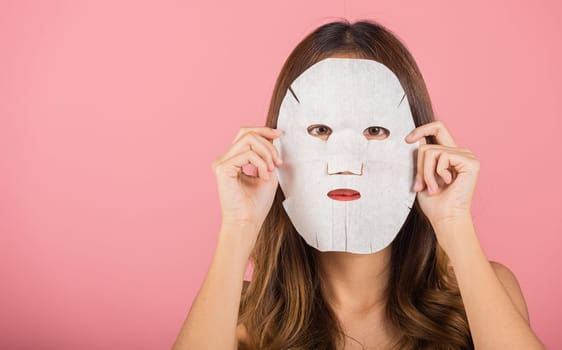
(356, 299)
(495, 306)
(354, 286)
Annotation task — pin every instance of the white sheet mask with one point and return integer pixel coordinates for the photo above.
(348, 95)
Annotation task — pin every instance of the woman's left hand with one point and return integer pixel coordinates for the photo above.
(446, 172)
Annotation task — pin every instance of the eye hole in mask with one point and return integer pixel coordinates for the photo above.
(371, 133)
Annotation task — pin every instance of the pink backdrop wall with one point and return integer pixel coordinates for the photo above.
(111, 113)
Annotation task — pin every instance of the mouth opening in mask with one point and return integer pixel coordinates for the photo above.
(344, 194)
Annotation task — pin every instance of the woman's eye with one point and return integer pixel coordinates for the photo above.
(319, 130)
(323, 131)
(376, 132)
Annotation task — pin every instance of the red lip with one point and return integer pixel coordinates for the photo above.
(344, 194)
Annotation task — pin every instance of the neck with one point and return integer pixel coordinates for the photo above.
(355, 282)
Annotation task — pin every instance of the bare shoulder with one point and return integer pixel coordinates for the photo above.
(511, 285)
(241, 334)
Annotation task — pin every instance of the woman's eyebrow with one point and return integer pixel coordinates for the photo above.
(293, 93)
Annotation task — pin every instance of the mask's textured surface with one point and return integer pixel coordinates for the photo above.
(348, 95)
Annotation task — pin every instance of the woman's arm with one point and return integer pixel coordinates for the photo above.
(496, 315)
(211, 322)
(496, 310)
(245, 201)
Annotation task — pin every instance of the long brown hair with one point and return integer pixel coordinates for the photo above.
(283, 306)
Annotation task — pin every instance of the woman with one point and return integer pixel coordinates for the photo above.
(431, 288)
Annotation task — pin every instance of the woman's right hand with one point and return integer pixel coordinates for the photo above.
(245, 199)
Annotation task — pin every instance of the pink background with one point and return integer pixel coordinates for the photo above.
(111, 113)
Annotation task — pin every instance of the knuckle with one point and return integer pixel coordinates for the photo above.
(246, 130)
(214, 163)
(240, 132)
(217, 168)
(253, 135)
(246, 134)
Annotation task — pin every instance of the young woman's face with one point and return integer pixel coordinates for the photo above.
(348, 173)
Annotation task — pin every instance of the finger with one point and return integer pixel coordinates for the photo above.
(253, 141)
(443, 168)
(233, 166)
(461, 162)
(429, 164)
(260, 145)
(437, 129)
(267, 134)
(273, 150)
(419, 184)
(264, 131)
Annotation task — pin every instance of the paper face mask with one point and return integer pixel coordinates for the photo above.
(346, 98)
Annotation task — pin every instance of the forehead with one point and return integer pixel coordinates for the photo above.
(344, 90)
(342, 76)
